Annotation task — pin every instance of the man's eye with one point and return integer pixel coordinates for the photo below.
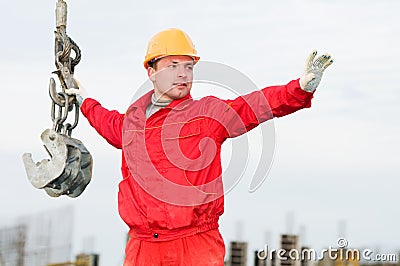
(172, 66)
(189, 67)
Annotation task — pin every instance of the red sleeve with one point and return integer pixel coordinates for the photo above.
(107, 123)
(287, 99)
(231, 118)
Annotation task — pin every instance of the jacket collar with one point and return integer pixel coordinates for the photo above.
(145, 100)
(180, 104)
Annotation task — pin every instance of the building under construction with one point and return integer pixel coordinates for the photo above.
(41, 239)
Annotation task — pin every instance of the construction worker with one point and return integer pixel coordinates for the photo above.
(171, 195)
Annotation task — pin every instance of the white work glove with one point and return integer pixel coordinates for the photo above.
(312, 75)
(80, 92)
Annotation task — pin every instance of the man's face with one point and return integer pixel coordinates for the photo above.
(172, 77)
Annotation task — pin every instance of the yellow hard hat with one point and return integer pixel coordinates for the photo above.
(170, 42)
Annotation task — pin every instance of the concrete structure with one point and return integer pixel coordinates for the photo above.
(238, 254)
(290, 243)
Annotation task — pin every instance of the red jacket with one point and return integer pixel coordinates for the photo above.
(171, 162)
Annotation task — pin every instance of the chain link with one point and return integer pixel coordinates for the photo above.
(61, 117)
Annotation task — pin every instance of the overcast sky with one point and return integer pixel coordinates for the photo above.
(336, 161)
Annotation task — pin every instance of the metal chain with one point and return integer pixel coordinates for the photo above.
(65, 65)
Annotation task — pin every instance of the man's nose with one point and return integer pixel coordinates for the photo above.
(182, 71)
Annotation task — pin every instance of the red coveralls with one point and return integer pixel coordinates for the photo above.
(171, 226)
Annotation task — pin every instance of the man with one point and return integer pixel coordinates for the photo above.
(171, 195)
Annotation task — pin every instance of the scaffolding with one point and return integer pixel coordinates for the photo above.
(38, 239)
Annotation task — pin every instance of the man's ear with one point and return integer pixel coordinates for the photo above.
(151, 73)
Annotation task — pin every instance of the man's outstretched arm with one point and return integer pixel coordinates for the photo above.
(107, 123)
(246, 112)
